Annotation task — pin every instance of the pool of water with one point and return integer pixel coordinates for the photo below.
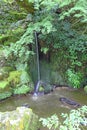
(46, 105)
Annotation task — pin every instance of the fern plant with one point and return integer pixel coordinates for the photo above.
(74, 8)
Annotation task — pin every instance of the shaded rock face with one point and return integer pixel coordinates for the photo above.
(20, 119)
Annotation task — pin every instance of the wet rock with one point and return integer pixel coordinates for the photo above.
(69, 102)
(20, 119)
(5, 90)
(26, 105)
(4, 95)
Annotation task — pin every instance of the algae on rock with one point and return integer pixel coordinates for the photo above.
(20, 119)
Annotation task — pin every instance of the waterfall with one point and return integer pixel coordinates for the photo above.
(38, 65)
(37, 56)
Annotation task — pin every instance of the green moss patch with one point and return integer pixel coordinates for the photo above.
(22, 90)
(5, 95)
(20, 119)
(14, 78)
(3, 84)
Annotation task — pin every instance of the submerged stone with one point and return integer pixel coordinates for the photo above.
(69, 102)
(20, 119)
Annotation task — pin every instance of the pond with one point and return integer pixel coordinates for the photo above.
(46, 105)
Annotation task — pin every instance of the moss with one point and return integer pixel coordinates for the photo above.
(20, 119)
(3, 38)
(17, 15)
(14, 78)
(26, 5)
(4, 84)
(5, 95)
(13, 36)
(22, 90)
(41, 88)
(26, 79)
(7, 69)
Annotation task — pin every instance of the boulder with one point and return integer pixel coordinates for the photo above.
(85, 89)
(5, 90)
(20, 119)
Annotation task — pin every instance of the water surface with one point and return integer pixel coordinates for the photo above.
(46, 105)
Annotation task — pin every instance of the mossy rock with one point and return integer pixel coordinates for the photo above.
(26, 79)
(85, 89)
(5, 95)
(20, 119)
(22, 90)
(7, 69)
(14, 78)
(41, 89)
(4, 85)
(3, 73)
(5, 90)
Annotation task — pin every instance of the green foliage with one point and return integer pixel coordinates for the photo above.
(9, 16)
(4, 84)
(44, 50)
(5, 94)
(71, 43)
(22, 90)
(74, 9)
(73, 121)
(14, 78)
(25, 77)
(60, 24)
(41, 22)
(74, 78)
(50, 122)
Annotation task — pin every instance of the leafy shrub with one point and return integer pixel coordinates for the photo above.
(73, 121)
(50, 122)
(74, 78)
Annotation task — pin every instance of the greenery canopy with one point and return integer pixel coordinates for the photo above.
(61, 24)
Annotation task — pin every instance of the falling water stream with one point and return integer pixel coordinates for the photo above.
(39, 82)
(37, 53)
(38, 66)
